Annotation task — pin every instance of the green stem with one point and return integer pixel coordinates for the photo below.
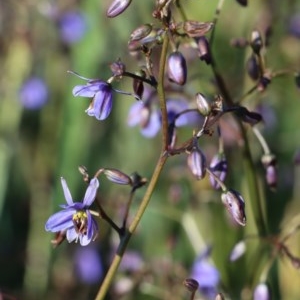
(124, 242)
(158, 169)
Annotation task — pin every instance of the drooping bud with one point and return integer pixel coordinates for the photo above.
(219, 167)
(256, 41)
(138, 85)
(203, 105)
(235, 205)
(204, 49)
(237, 251)
(270, 164)
(242, 2)
(247, 116)
(196, 161)
(140, 32)
(117, 7)
(118, 68)
(253, 67)
(191, 285)
(137, 180)
(262, 292)
(176, 68)
(117, 176)
(197, 29)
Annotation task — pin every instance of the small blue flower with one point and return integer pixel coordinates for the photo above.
(101, 92)
(33, 93)
(75, 218)
(72, 27)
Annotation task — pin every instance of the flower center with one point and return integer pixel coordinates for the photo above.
(80, 222)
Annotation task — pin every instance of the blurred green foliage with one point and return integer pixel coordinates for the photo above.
(38, 147)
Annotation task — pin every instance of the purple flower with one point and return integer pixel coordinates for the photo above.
(101, 92)
(206, 274)
(72, 27)
(88, 265)
(75, 218)
(33, 93)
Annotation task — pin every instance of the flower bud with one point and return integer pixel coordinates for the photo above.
(191, 284)
(219, 167)
(256, 41)
(242, 2)
(204, 49)
(269, 162)
(117, 7)
(261, 292)
(197, 163)
(140, 32)
(197, 29)
(118, 68)
(117, 176)
(138, 87)
(237, 251)
(176, 68)
(235, 205)
(253, 67)
(203, 105)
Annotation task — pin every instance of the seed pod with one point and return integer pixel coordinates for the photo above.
(237, 251)
(235, 205)
(197, 29)
(253, 67)
(196, 162)
(203, 104)
(117, 7)
(219, 167)
(204, 49)
(176, 68)
(117, 176)
(256, 41)
(262, 292)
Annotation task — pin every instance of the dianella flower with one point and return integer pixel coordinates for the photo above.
(101, 93)
(75, 219)
(177, 69)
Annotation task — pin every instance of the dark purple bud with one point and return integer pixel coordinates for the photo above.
(204, 49)
(197, 29)
(297, 80)
(253, 67)
(264, 82)
(203, 105)
(269, 162)
(176, 68)
(117, 7)
(219, 167)
(118, 68)
(242, 2)
(235, 205)
(256, 41)
(196, 162)
(138, 85)
(117, 176)
(191, 284)
(247, 116)
(237, 251)
(137, 180)
(262, 292)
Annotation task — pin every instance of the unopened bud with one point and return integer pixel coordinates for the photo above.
(242, 2)
(138, 86)
(237, 251)
(137, 180)
(235, 205)
(219, 167)
(140, 32)
(203, 104)
(177, 69)
(261, 292)
(117, 176)
(256, 41)
(269, 162)
(253, 67)
(196, 162)
(197, 29)
(204, 49)
(191, 284)
(118, 68)
(117, 7)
